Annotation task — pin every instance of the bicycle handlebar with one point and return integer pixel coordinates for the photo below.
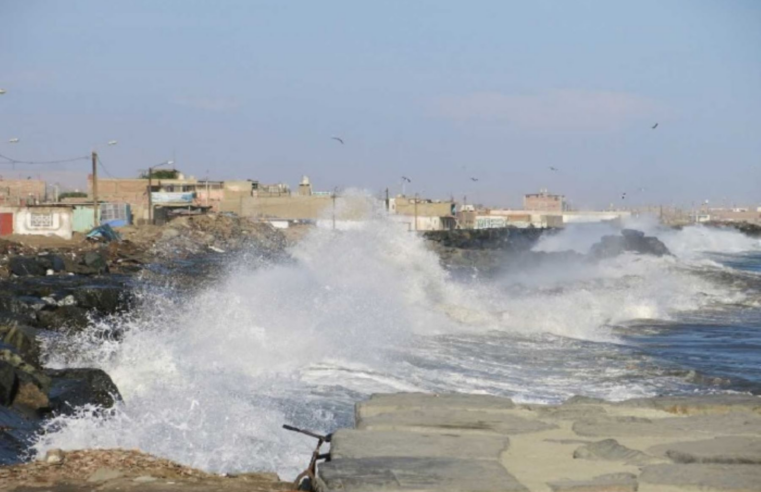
(308, 433)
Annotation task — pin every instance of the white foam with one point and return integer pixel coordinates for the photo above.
(208, 378)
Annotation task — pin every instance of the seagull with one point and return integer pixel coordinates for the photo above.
(112, 142)
(405, 178)
(623, 196)
(13, 140)
(655, 126)
(553, 169)
(2, 91)
(339, 139)
(474, 179)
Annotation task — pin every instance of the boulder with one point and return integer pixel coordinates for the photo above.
(23, 266)
(8, 383)
(72, 388)
(104, 299)
(64, 317)
(96, 260)
(51, 262)
(630, 241)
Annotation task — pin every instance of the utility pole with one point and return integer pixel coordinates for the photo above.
(388, 202)
(416, 200)
(150, 195)
(95, 188)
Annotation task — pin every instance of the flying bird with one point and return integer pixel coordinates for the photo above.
(405, 178)
(623, 196)
(339, 139)
(13, 140)
(474, 179)
(553, 169)
(655, 126)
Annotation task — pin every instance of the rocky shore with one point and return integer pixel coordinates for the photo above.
(493, 251)
(456, 442)
(50, 288)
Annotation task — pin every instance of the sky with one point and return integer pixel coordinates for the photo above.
(440, 91)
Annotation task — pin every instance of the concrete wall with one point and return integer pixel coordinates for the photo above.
(44, 221)
(583, 217)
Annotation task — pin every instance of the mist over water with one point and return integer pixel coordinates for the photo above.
(209, 376)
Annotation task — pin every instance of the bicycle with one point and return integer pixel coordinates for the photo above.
(306, 479)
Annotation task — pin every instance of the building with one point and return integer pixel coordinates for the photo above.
(22, 191)
(420, 214)
(181, 192)
(544, 202)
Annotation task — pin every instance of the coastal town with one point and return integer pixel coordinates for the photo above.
(32, 207)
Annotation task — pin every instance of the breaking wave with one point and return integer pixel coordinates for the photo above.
(208, 377)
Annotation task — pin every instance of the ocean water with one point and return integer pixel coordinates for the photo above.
(209, 375)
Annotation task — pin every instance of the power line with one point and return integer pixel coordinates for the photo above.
(104, 168)
(60, 161)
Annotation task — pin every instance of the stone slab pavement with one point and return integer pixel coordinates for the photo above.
(457, 442)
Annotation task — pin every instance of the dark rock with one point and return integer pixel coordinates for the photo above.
(8, 383)
(71, 317)
(51, 262)
(72, 388)
(105, 299)
(630, 241)
(96, 260)
(23, 266)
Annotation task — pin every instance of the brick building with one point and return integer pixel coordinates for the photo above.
(21, 191)
(544, 202)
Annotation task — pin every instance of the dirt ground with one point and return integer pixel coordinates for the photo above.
(123, 470)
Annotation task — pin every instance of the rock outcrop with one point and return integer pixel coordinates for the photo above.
(630, 241)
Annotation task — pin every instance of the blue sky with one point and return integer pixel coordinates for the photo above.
(440, 91)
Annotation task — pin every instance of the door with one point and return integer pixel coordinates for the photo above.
(6, 224)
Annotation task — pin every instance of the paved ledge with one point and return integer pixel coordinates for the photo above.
(455, 442)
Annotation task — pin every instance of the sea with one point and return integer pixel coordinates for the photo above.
(210, 374)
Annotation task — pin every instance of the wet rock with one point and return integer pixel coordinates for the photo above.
(64, 317)
(630, 241)
(8, 383)
(72, 388)
(104, 299)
